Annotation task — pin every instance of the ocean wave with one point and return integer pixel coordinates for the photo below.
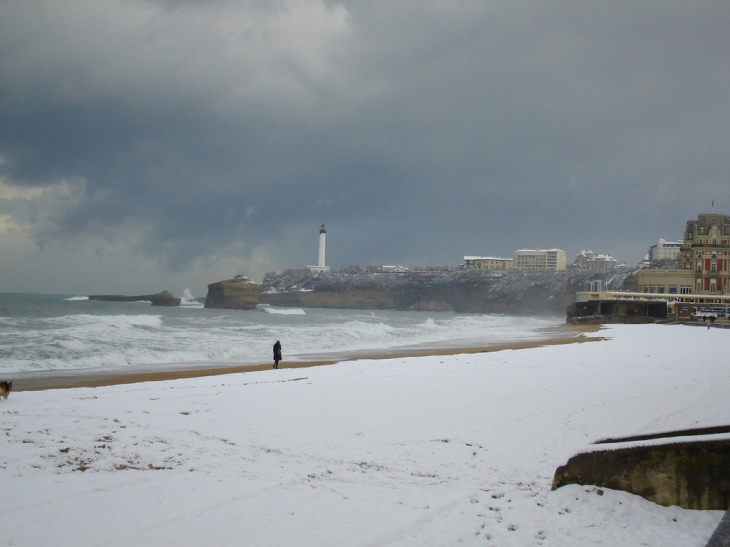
(77, 298)
(101, 321)
(52, 336)
(284, 311)
(191, 304)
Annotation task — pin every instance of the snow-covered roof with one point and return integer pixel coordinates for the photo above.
(667, 244)
(485, 258)
(537, 250)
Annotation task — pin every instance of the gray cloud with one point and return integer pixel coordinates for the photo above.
(418, 133)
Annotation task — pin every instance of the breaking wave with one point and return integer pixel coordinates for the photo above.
(45, 333)
(285, 311)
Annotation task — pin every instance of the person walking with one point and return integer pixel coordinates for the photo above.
(277, 354)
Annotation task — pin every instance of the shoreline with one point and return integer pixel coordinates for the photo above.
(101, 379)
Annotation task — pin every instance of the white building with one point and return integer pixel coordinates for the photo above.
(320, 267)
(664, 250)
(487, 263)
(539, 259)
(601, 262)
(588, 260)
(392, 269)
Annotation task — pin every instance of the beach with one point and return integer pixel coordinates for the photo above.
(441, 449)
(175, 372)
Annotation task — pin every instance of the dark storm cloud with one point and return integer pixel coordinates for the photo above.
(419, 132)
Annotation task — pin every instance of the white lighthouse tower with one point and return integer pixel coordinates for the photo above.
(320, 267)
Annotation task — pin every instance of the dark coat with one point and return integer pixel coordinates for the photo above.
(277, 352)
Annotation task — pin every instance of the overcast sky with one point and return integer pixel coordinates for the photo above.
(167, 145)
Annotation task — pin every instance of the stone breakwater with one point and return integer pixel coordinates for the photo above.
(514, 292)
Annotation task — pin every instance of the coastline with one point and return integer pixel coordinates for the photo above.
(109, 378)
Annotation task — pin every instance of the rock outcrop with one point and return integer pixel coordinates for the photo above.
(466, 291)
(160, 299)
(239, 293)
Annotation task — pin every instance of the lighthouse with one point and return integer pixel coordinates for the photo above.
(320, 267)
(322, 237)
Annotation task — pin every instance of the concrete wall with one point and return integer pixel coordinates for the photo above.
(693, 475)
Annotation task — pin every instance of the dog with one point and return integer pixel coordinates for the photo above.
(5, 388)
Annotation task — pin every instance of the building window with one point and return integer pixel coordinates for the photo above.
(713, 267)
(685, 289)
(712, 286)
(673, 290)
(661, 290)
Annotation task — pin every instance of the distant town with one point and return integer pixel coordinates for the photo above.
(697, 265)
(686, 280)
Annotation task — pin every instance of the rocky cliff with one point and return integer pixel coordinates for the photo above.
(160, 299)
(469, 291)
(239, 293)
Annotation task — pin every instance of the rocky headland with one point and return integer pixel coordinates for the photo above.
(239, 293)
(514, 292)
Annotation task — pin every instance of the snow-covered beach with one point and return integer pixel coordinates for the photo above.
(431, 450)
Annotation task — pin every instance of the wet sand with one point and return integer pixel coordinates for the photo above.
(109, 378)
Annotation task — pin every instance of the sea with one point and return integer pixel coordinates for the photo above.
(43, 334)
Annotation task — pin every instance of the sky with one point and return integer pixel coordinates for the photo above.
(150, 145)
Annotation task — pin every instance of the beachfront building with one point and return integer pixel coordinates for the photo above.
(706, 252)
(664, 250)
(544, 259)
(657, 281)
(320, 267)
(487, 263)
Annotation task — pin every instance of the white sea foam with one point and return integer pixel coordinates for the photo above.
(187, 300)
(190, 304)
(78, 298)
(119, 336)
(100, 321)
(285, 311)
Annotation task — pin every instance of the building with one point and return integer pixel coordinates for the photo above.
(487, 263)
(626, 307)
(664, 250)
(320, 267)
(665, 281)
(706, 252)
(392, 269)
(601, 262)
(546, 259)
(588, 260)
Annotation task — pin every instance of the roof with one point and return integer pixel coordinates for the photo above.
(538, 250)
(485, 258)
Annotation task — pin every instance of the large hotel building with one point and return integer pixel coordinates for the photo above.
(547, 259)
(703, 261)
(706, 251)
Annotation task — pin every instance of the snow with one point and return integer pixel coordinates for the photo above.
(439, 450)
(682, 439)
